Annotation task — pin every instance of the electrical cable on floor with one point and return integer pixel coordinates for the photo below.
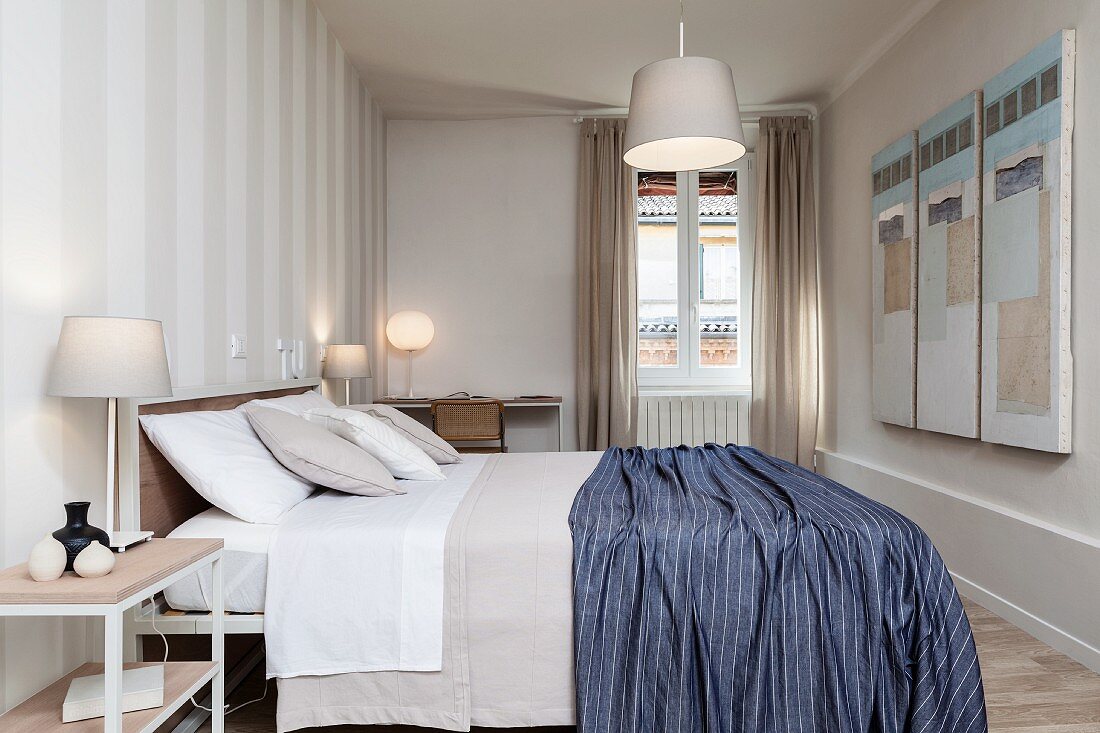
(228, 710)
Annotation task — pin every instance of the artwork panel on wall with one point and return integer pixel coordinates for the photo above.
(1027, 367)
(949, 264)
(894, 249)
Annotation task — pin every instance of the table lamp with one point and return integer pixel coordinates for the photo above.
(347, 362)
(410, 331)
(101, 356)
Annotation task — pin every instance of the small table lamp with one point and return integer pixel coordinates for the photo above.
(410, 331)
(112, 358)
(347, 362)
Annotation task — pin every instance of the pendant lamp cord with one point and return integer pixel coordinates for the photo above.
(681, 28)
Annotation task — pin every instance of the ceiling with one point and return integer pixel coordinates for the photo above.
(463, 59)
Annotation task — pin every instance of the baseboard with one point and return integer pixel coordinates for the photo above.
(1050, 635)
(1040, 577)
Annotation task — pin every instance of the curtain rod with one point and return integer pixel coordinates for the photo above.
(750, 115)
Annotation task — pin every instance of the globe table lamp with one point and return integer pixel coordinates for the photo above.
(410, 331)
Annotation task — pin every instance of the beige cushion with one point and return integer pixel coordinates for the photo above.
(440, 450)
(317, 455)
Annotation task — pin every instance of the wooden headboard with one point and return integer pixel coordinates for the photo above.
(152, 494)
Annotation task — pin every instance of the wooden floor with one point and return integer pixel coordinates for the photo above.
(1029, 688)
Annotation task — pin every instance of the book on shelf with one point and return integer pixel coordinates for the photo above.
(142, 688)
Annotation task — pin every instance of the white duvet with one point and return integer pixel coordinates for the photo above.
(355, 584)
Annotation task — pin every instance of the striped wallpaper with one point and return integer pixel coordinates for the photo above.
(210, 164)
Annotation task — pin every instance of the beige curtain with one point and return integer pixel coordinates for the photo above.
(607, 328)
(784, 296)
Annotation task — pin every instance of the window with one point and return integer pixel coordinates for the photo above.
(694, 277)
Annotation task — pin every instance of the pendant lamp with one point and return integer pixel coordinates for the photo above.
(683, 114)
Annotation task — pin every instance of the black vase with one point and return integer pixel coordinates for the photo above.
(77, 533)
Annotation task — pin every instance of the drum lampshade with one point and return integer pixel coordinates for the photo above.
(683, 116)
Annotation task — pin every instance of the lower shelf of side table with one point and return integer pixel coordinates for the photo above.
(42, 712)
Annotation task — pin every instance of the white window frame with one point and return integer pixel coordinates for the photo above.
(689, 373)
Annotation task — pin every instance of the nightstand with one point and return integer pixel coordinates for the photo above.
(139, 573)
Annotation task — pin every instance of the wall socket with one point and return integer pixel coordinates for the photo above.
(238, 346)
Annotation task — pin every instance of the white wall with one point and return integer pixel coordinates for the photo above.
(481, 222)
(1002, 516)
(205, 163)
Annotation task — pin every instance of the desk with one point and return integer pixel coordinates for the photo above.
(554, 403)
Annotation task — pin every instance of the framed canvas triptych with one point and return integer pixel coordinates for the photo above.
(971, 242)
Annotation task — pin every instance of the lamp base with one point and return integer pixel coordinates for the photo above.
(121, 540)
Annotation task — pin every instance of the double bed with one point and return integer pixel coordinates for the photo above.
(506, 612)
(462, 602)
(505, 592)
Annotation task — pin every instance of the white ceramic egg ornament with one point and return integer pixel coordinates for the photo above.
(47, 560)
(94, 561)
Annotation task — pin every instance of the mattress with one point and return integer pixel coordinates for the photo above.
(244, 564)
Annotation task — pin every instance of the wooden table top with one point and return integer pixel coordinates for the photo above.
(139, 567)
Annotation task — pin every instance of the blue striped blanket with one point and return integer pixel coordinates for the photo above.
(721, 589)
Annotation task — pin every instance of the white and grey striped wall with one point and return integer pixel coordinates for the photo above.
(210, 164)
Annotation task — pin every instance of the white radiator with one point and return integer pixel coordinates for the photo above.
(670, 420)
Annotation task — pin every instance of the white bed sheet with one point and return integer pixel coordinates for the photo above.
(244, 564)
(355, 583)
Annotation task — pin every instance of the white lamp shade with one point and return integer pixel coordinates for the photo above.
(99, 356)
(410, 330)
(683, 116)
(347, 361)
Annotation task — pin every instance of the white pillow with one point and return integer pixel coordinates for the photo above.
(223, 459)
(295, 404)
(410, 428)
(396, 453)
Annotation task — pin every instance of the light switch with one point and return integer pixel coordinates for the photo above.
(238, 346)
